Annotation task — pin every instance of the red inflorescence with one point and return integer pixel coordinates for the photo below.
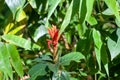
(53, 32)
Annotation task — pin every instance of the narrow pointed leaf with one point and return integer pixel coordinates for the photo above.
(98, 45)
(67, 18)
(15, 59)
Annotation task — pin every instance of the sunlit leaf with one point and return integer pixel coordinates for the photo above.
(53, 6)
(98, 45)
(66, 19)
(4, 60)
(8, 28)
(21, 42)
(20, 15)
(40, 31)
(89, 4)
(15, 5)
(113, 7)
(114, 46)
(17, 29)
(15, 59)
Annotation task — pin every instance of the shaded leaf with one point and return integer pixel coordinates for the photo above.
(73, 56)
(104, 58)
(37, 70)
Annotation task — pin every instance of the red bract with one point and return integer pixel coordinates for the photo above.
(53, 32)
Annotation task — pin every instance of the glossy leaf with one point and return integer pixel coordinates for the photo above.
(114, 46)
(17, 29)
(40, 31)
(37, 70)
(67, 18)
(8, 28)
(113, 6)
(73, 56)
(20, 15)
(89, 4)
(98, 45)
(4, 61)
(15, 5)
(92, 21)
(21, 42)
(15, 59)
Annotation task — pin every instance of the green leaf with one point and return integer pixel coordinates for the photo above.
(40, 31)
(82, 10)
(108, 12)
(39, 6)
(63, 75)
(73, 56)
(4, 61)
(15, 5)
(89, 4)
(98, 45)
(113, 6)
(53, 6)
(1, 4)
(37, 70)
(92, 20)
(15, 59)
(104, 58)
(21, 42)
(114, 47)
(66, 19)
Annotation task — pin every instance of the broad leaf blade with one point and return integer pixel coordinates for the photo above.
(15, 59)
(40, 31)
(14, 5)
(4, 61)
(37, 70)
(73, 56)
(114, 47)
(112, 5)
(21, 42)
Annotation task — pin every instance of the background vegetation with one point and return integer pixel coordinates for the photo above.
(88, 33)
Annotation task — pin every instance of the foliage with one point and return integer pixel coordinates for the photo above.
(60, 39)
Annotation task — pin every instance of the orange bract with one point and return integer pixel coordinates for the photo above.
(53, 32)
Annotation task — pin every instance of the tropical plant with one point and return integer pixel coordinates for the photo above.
(59, 39)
